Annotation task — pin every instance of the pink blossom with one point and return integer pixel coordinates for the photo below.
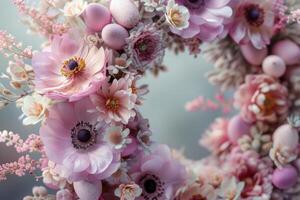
(254, 171)
(70, 69)
(74, 139)
(262, 98)
(206, 18)
(216, 137)
(115, 101)
(158, 174)
(253, 22)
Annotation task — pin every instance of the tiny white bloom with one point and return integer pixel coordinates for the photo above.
(74, 8)
(34, 108)
(128, 191)
(177, 16)
(51, 176)
(117, 137)
(18, 72)
(231, 189)
(152, 5)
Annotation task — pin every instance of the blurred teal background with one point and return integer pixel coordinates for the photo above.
(164, 105)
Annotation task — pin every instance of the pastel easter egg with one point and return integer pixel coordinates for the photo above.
(114, 36)
(96, 16)
(288, 50)
(88, 190)
(285, 178)
(274, 66)
(286, 136)
(252, 55)
(130, 148)
(125, 12)
(237, 127)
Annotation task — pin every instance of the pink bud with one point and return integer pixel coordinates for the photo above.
(252, 55)
(274, 66)
(286, 136)
(96, 16)
(237, 127)
(125, 12)
(288, 50)
(285, 177)
(114, 36)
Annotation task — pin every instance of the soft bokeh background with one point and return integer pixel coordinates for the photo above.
(164, 105)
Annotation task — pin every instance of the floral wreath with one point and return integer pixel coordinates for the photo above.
(82, 88)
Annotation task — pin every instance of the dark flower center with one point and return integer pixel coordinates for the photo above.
(83, 135)
(72, 65)
(254, 15)
(153, 187)
(150, 186)
(194, 4)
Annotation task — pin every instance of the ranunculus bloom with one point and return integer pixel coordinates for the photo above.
(262, 98)
(114, 101)
(145, 46)
(206, 18)
(254, 22)
(69, 69)
(158, 174)
(73, 138)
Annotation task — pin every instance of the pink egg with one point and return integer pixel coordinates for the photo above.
(252, 55)
(88, 190)
(274, 66)
(286, 136)
(114, 36)
(285, 177)
(96, 16)
(288, 50)
(237, 127)
(130, 148)
(125, 12)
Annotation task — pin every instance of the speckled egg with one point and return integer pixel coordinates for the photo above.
(114, 36)
(237, 127)
(125, 12)
(96, 16)
(252, 55)
(288, 50)
(287, 136)
(274, 66)
(285, 178)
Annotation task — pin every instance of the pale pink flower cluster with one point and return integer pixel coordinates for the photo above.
(32, 144)
(45, 24)
(10, 47)
(200, 103)
(25, 164)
